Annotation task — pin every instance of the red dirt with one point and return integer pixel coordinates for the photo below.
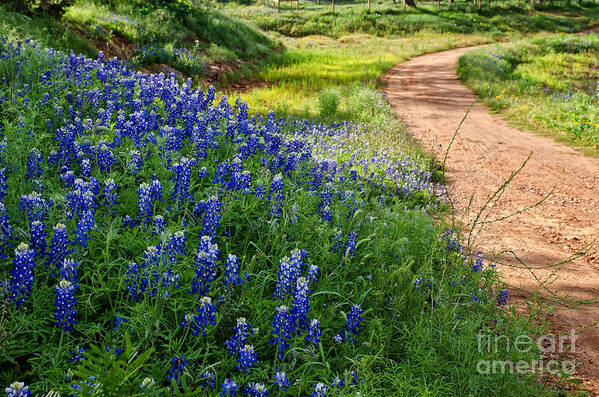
(428, 96)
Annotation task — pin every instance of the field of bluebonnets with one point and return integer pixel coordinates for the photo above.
(158, 240)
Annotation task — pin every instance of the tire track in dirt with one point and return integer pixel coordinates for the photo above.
(428, 96)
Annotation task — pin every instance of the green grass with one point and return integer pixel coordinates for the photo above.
(295, 78)
(547, 84)
(47, 31)
(386, 20)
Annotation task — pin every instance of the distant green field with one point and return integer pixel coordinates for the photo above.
(548, 84)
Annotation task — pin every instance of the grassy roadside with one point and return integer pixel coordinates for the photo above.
(387, 20)
(546, 84)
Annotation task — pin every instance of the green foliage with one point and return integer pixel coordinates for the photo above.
(328, 102)
(547, 84)
(47, 31)
(106, 373)
(386, 20)
(54, 8)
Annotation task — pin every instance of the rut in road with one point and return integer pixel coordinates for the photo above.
(428, 96)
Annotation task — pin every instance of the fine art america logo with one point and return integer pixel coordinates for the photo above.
(548, 344)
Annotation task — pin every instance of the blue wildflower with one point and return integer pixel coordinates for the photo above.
(283, 329)
(502, 298)
(232, 271)
(158, 224)
(65, 305)
(301, 304)
(38, 239)
(205, 265)
(246, 359)
(314, 333)
(58, 245)
(211, 216)
(206, 316)
(256, 390)
(478, 264)
(77, 355)
(352, 323)
(21, 281)
(208, 381)
(281, 380)
(17, 389)
(275, 196)
(177, 369)
(238, 340)
(117, 321)
(229, 387)
(320, 390)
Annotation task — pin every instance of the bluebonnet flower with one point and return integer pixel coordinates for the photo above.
(202, 173)
(246, 359)
(206, 315)
(283, 329)
(211, 216)
(232, 271)
(117, 321)
(181, 177)
(144, 203)
(110, 197)
(65, 305)
(324, 205)
(34, 165)
(208, 381)
(17, 389)
(177, 368)
(281, 380)
(21, 281)
(238, 340)
(84, 226)
(478, 264)
(337, 383)
(350, 247)
(229, 388)
(352, 323)
(313, 273)
(301, 304)
(68, 177)
(3, 185)
(289, 271)
(136, 281)
(354, 377)
(338, 338)
(275, 196)
(502, 298)
(158, 224)
(156, 189)
(68, 270)
(338, 242)
(146, 385)
(5, 227)
(77, 355)
(58, 245)
(34, 206)
(175, 245)
(256, 390)
(314, 333)
(105, 158)
(128, 222)
(86, 168)
(135, 162)
(320, 390)
(38, 239)
(205, 265)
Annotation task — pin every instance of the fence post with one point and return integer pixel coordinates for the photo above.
(333, 1)
(369, 6)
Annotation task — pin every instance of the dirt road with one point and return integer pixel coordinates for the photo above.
(427, 95)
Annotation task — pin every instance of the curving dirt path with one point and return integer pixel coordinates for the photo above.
(428, 96)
